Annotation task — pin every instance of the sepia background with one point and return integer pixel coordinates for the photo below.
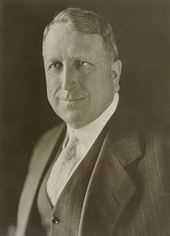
(142, 29)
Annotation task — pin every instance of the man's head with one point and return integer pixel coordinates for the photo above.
(81, 65)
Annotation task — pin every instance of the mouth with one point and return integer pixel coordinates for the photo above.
(75, 96)
(73, 100)
(72, 103)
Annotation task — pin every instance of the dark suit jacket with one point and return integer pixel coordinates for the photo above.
(129, 189)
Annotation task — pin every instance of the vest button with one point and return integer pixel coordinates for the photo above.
(55, 220)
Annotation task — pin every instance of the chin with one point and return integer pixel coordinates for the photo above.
(74, 119)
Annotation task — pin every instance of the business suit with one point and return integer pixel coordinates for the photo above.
(128, 192)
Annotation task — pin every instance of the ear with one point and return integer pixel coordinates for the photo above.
(116, 73)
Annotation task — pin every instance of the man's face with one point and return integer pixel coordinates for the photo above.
(78, 74)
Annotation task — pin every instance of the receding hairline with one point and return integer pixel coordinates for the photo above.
(86, 22)
(73, 29)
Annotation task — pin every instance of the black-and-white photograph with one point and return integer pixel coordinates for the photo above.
(85, 118)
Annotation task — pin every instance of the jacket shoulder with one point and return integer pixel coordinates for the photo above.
(45, 144)
(48, 136)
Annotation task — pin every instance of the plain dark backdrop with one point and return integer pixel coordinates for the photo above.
(142, 28)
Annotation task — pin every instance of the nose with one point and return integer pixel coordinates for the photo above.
(68, 79)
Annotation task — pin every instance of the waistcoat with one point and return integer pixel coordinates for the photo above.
(63, 219)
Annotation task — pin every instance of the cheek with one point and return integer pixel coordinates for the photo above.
(52, 83)
(100, 88)
(95, 82)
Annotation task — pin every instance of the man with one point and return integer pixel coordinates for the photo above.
(94, 174)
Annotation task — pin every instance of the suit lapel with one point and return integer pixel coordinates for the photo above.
(41, 156)
(110, 187)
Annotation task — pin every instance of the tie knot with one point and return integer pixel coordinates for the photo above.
(73, 141)
(71, 147)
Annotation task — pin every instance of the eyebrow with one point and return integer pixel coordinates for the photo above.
(83, 58)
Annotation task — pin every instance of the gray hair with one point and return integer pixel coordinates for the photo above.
(88, 22)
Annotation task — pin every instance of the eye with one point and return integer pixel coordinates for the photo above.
(58, 65)
(82, 64)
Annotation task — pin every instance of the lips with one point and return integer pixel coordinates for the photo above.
(68, 97)
(73, 99)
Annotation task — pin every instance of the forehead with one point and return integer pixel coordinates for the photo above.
(63, 41)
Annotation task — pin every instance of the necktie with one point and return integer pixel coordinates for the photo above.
(62, 169)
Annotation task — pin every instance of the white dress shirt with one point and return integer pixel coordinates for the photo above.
(86, 136)
(89, 133)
